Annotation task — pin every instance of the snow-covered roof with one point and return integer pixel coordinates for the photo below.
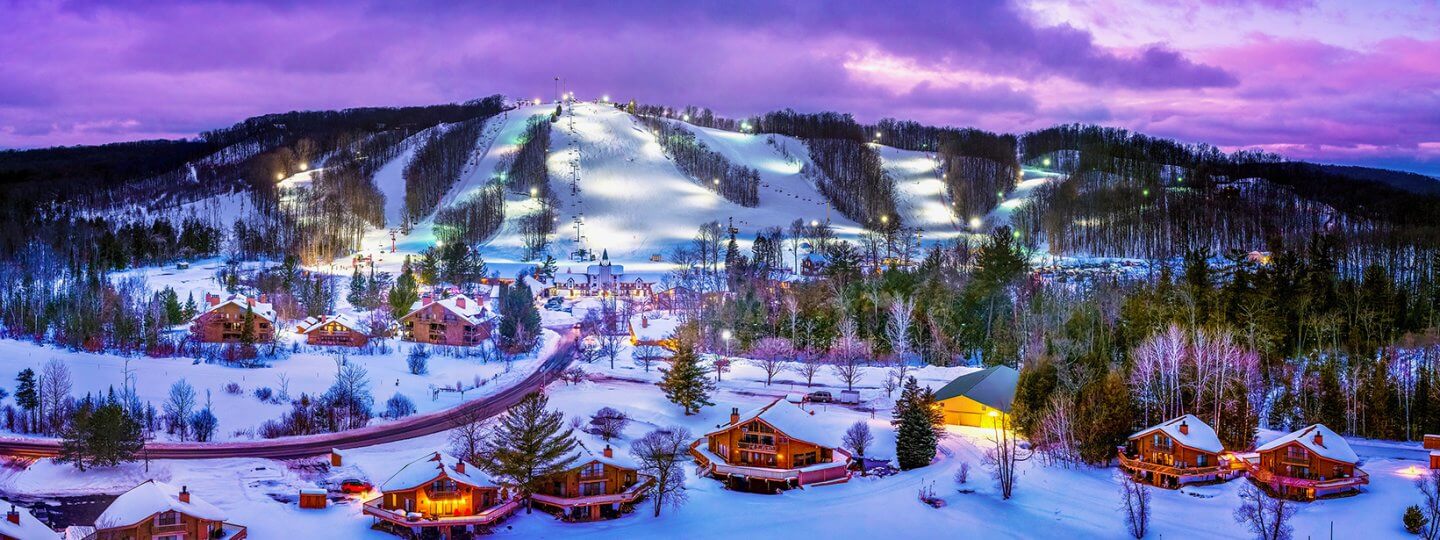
(1200, 437)
(473, 312)
(993, 387)
(584, 455)
(653, 326)
(432, 466)
(29, 528)
(537, 287)
(150, 498)
(791, 420)
(316, 323)
(1332, 446)
(263, 310)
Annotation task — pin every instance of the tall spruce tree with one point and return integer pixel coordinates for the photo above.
(915, 419)
(529, 443)
(100, 434)
(405, 292)
(519, 319)
(687, 383)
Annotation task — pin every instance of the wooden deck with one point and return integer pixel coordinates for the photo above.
(487, 517)
(629, 495)
(1180, 474)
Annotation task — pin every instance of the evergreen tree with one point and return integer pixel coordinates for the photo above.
(247, 328)
(915, 417)
(687, 383)
(27, 396)
(174, 312)
(519, 319)
(191, 310)
(405, 292)
(547, 269)
(530, 443)
(102, 435)
(357, 289)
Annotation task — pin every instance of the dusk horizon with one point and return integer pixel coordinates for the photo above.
(1329, 82)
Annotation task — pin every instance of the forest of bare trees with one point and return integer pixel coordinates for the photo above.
(436, 167)
(737, 183)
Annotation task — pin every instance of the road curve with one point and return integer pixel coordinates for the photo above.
(313, 445)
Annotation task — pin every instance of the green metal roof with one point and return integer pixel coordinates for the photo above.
(993, 387)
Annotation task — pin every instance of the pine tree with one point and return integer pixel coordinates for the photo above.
(174, 312)
(357, 289)
(519, 319)
(247, 328)
(102, 435)
(687, 383)
(915, 437)
(191, 310)
(547, 269)
(530, 443)
(405, 292)
(26, 394)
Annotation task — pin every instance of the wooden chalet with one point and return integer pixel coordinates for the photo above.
(778, 446)
(1432, 443)
(1174, 453)
(979, 399)
(159, 511)
(1307, 464)
(19, 524)
(457, 320)
(653, 329)
(439, 496)
(223, 320)
(333, 330)
(599, 486)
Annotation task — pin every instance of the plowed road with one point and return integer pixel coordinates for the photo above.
(314, 445)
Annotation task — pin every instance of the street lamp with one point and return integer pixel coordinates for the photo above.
(726, 335)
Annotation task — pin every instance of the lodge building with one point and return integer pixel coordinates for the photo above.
(778, 446)
(156, 510)
(457, 320)
(1307, 464)
(1171, 454)
(439, 496)
(223, 320)
(598, 486)
(333, 330)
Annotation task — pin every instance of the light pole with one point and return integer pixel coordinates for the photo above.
(726, 335)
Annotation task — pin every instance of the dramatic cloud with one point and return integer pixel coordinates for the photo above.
(91, 72)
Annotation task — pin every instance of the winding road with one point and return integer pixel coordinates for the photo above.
(313, 445)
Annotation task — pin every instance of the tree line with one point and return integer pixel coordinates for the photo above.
(737, 183)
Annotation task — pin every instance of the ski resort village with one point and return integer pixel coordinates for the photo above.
(584, 308)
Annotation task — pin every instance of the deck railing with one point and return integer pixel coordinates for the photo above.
(485, 517)
(630, 494)
(1360, 478)
(1136, 464)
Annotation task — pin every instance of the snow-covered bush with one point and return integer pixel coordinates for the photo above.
(264, 393)
(418, 361)
(233, 388)
(399, 406)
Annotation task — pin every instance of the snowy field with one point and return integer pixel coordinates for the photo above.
(309, 371)
(1054, 502)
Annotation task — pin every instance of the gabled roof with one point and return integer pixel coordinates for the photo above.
(584, 456)
(653, 326)
(261, 309)
(789, 419)
(474, 311)
(315, 323)
(1333, 446)
(993, 387)
(431, 467)
(150, 498)
(1201, 437)
(29, 528)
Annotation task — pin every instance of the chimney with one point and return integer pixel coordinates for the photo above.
(1319, 439)
(13, 516)
(644, 321)
(734, 415)
(184, 494)
(608, 452)
(460, 466)
(250, 301)
(460, 302)
(264, 298)
(1184, 428)
(427, 299)
(212, 299)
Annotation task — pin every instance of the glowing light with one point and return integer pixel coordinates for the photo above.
(279, 176)
(994, 414)
(725, 334)
(717, 181)
(974, 223)
(1180, 180)
(685, 118)
(1045, 162)
(1145, 193)
(814, 223)
(304, 166)
(537, 101)
(534, 191)
(885, 219)
(605, 98)
(877, 134)
(1000, 194)
(1016, 234)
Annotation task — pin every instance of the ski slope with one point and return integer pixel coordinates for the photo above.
(633, 202)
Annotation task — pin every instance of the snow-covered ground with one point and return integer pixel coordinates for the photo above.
(310, 371)
(1049, 501)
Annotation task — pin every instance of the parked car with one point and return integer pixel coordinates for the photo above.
(554, 304)
(820, 396)
(354, 486)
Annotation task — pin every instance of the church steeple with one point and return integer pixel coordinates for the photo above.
(605, 257)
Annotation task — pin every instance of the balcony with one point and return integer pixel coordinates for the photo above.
(629, 495)
(1318, 486)
(755, 447)
(1136, 465)
(488, 516)
(711, 463)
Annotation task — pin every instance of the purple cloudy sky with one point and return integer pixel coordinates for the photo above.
(1339, 81)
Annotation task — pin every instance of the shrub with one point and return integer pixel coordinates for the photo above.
(1415, 519)
(399, 406)
(233, 388)
(264, 393)
(418, 361)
